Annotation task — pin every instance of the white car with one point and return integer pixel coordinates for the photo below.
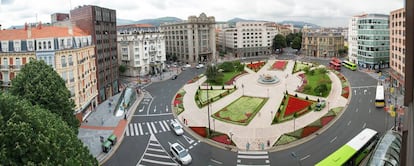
(187, 65)
(176, 127)
(199, 66)
(180, 153)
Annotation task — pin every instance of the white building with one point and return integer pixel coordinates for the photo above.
(191, 41)
(248, 38)
(353, 38)
(141, 49)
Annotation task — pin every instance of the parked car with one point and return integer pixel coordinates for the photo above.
(199, 66)
(174, 77)
(187, 65)
(180, 153)
(176, 127)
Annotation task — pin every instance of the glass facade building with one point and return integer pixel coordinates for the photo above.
(373, 41)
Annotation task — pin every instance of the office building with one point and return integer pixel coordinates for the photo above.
(397, 48)
(100, 23)
(191, 41)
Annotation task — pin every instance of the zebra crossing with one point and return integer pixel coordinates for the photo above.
(155, 154)
(245, 158)
(147, 128)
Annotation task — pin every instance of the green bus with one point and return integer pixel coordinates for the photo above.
(349, 65)
(353, 152)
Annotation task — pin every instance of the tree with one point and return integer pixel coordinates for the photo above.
(213, 75)
(227, 66)
(38, 83)
(122, 69)
(289, 39)
(31, 135)
(321, 89)
(279, 42)
(297, 43)
(342, 51)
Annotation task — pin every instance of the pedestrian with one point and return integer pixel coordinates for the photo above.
(125, 116)
(103, 121)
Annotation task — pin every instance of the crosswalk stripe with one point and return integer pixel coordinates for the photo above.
(166, 125)
(149, 128)
(127, 131)
(131, 128)
(252, 157)
(153, 126)
(140, 129)
(252, 152)
(162, 126)
(136, 129)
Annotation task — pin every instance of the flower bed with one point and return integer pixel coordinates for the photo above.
(224, 139)
(295, 105)
(309, 129)
(213, 95)
(200, 131)
(195, 79)
(230, 82)
(178, 102)
(345, 92)
(240, 111)
(344, 83)
(279, 65)
(256, 66)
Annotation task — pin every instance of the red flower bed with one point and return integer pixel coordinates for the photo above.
(200, 131)
(345, 92)
(279, 65)
(295, 105)
(255, 66)
(230, 82)
(177, 102)
(222, 139)
(326, 120)
(178, 96)
(308, 130)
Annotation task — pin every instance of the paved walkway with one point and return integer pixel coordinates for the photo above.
(103, 122)
(259, 130)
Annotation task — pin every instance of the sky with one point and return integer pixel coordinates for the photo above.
(327, 13)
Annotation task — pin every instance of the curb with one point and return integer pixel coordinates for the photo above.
(103, 157)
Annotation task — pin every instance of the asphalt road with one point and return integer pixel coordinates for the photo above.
(154, 114)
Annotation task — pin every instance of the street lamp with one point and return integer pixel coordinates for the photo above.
(208, 111)
(231, 137)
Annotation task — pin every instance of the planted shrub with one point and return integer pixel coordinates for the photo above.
(296, 95)
(307, 98)
(211, 87)
(235, 87)
(222, 87)
(199, 88)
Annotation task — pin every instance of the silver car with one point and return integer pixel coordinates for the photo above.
(176, 127)
(180, 153)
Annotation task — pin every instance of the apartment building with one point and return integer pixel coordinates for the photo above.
(191, 41)
(373, 43)
(69, 50)
(141, 49)
(352, 38)
(100, 23)
(397, 48)
(322, 43)
(248, 39)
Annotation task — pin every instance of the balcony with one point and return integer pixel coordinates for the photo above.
(4, 67)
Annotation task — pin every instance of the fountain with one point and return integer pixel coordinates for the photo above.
(268, 79)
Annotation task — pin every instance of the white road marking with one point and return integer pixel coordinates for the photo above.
(356, 110)
(140, 129)
(252, 157)
(333, 139)
(369, 110)
(127, 131)
(218, 162)
(307, 156)
(136, 129)
(149, 106)
(153, 126)
(158, 162)
(149, 128)
(131, 128)
(162, 126)
(363, 126)
(154, 114)
(188, 139)
(166, 108)
(155, 108)
(166, 125)
(349, 123)
(252, 152)
(143, 107)
(157, 150)
(157, 155)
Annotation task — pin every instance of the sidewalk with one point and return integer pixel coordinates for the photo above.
(259, 130)
(103, 122)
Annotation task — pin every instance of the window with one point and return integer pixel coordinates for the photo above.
(64, 76)
(49, 45)
(70, 60)
(30, 45)
(63, 61)
(71, 78)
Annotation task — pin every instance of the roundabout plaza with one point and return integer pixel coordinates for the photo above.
(268, 105)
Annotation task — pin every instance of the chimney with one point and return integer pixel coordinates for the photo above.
(0, 27)
(26, 26)
(29, 31)
(70, 30)
(39, 26)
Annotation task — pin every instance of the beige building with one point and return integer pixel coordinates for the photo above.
(322, 44)
(68, 50)
(191, 41)
(397, 48)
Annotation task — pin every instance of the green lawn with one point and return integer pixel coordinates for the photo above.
(299, 67)
(316, 79)
(241, 111)
(227, 76)
(202, 94)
